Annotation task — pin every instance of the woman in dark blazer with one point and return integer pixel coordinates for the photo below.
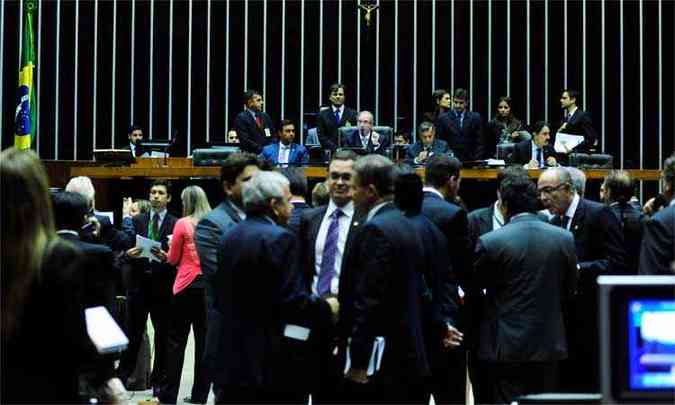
(44, 339)
(503, 128)
(441, 102)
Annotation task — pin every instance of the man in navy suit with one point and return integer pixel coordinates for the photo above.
(261, 300)
(576, 121)
(460, 128)
(333, 117)
(404, 290)
(426, 146)
(600, 250)
(298, 185)
(253, 126)
(286, 152)
(364, 137)
(150, 284)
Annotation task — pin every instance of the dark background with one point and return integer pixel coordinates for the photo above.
(76, 134)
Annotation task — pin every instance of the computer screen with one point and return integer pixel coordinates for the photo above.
(651, 344)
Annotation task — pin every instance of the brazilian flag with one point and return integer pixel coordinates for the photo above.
(24, 119)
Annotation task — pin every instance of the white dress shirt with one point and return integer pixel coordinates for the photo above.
(571, 210)
(284, 153)
(497, 217)
(344, 222)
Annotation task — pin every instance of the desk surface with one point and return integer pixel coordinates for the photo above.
(62, 170)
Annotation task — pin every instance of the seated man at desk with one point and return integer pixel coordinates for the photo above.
(427, 145)
(364, 137)
(286, 152)
(535, 153)
(135, 145)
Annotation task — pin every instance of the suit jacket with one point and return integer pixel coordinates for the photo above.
(139, 150)
(353, 140)
(480, 222)
(658, 244)
(580, 124)
(327, 128)
(464, 140)
(208, 232)
(100, 273)
(437, 147)
(259, 290)
(529, 270)
(404, 291)
(453, 223)
(298, 154)
(522, 153)
(251, 138)
(294, 221)
(161, 271)
(308, 232)
(632, 222)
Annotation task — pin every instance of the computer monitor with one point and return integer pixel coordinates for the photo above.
(637, 339)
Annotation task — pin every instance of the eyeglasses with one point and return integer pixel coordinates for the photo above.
(549, 190)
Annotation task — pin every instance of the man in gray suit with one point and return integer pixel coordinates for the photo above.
(529, 271)
(237, 169)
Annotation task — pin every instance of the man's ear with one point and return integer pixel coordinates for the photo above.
(226, 188)
(168, 198)
(373, 191)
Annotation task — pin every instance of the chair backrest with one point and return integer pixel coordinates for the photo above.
(504, 150)
(593, 161)
(312, 138)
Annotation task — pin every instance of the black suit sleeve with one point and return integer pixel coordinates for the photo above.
(657, 249)
(607, 229)
(245, 135)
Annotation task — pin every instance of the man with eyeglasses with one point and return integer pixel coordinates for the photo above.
(599, 247)
(326, 234)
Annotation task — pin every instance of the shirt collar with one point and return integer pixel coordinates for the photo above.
(498, 214)
(251, 112)
(433, 190)
(161, 213)
(282, 146)
(573, 207)
(375, 210)
(340, 108)
(237, 210)
(347, 209)
(571, 113)
(672, 202)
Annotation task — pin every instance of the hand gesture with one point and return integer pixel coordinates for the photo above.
(134, 252)
(334, 307)
(453, 337)
(550, 161)
(159, 253)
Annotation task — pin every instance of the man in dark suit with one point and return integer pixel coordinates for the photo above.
(617, 191)
(298, 186)
(135, 145)
(364, 137)
(529, 269)
(286, 152)
(442, 185)
(535, 153)
(460, 128)
(253, 126)
(426, 146)
(404, 290)
(149, 286)
(261, 299)
(325, 237)
(657, 255)
(577, 122)
(600, 250)
(333, 117)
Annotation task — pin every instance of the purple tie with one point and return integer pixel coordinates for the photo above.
(328, 257)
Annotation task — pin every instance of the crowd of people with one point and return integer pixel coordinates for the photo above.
(387, 292)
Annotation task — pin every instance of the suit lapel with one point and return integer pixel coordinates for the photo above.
(577, 225)
(487, 219)
(230, 211)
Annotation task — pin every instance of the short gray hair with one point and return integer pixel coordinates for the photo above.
(376, 170)
(263, 186)
(424, 127)
(578, 180)
(82, 185)
(369, 114)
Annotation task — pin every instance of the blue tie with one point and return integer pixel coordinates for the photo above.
(328, 257)
(337, 116)
(539, 158)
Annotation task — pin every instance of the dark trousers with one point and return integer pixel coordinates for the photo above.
(188, 308)
(448, 376)
(504, 382)
(232, 394)
(152, 295)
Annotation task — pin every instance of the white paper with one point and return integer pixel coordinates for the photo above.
(566, 142)
(496, 162)
(267, 132)
(375, 356)
(296, 332)
(103, 331)
(155, 154)
(146, 246)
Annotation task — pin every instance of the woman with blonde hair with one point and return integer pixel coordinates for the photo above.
(189, 300)
(43, 329)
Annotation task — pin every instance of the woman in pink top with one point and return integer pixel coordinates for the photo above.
(189, 300)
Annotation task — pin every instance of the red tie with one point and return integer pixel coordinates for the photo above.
(258, 121)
